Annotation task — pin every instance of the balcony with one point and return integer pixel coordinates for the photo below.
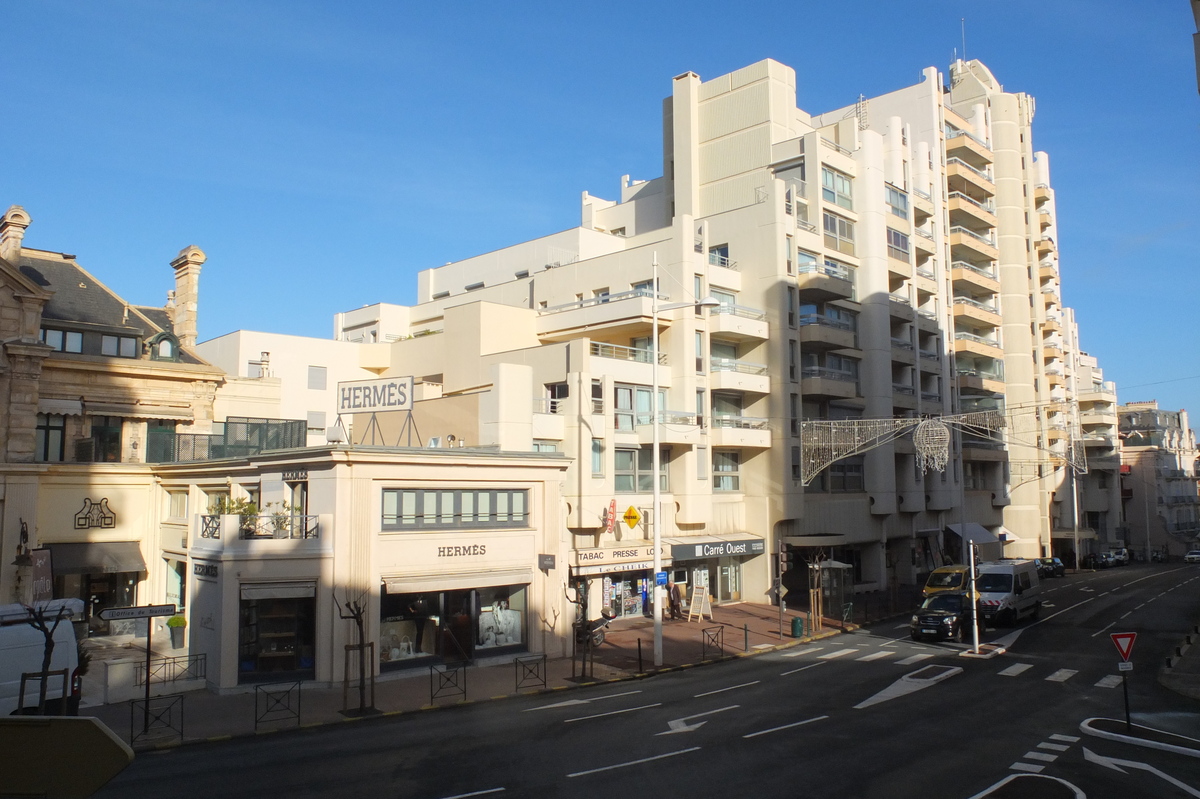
(1051, 352)
(971, 274)
(1052, 324)
(740, 431)
(979, 380)
(820, 333)
(984, 313)
(966, 179)
(900, 307)
(1045, 218)
(620, 353)
(1048, 271)
(824, 282)
(628, 313)
(739, 323)
(263, 535)
(1102, 392)
(983, 247)
(921, 204)
(821, 381)
(1041, 193)
(1100, 440)
(977, 345)
(716, 259)
(728, 374)
(968, 147)
(963, 207)
(901, 268)
(240, 437)
(1045, 246)
(924, 241)
(1055, 378)
(676, 427)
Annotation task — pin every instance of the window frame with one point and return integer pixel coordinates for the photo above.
(838, 232)
(501, 508)
(837, 187)
(727, 479)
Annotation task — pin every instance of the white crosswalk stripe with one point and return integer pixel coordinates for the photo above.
(1108, 681)
(837, 654)
(908, 661)
(1042, 757)
(1062, 675)
(1015, 669)
(1027, 767)
(1071, 739)
(803, 650)
(883, 653)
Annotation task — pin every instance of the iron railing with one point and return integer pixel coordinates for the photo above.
(173, 669)
(238, 437)
(740, 310)
(734, 365)
(267, 525)
(716, 259)
(740, 422)
(603, 299)
(621, 353)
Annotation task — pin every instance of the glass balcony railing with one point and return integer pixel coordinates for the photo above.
(825, 321)
(741, 311)
(601, 300)
(990, 342)
(830, 269)
(739, 422)
(959, 162)
(825, 373)
(988, 240)
(620, 353)
(986, 271)
(983, 306)
(734, 365)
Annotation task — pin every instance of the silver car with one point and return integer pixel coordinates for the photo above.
(1192, 557)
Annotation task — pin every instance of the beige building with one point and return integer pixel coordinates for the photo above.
(1160, 480)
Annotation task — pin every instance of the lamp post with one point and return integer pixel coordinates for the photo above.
(656, 455)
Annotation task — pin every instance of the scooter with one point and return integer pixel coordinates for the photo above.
(593, 629)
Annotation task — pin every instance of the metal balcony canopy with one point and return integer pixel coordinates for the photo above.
(973, 533)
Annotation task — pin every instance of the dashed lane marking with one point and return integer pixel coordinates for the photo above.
(837, 654)
(1015, 669)
(1062, 675)
(723, 690)
(1032, 769)
(1054, 747)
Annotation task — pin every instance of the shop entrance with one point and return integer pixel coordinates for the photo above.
(450, 626)
(626, 594)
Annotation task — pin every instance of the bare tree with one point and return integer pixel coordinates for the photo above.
(39, 620)
(356, 610)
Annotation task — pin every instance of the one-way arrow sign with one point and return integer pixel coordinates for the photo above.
(1124, 643)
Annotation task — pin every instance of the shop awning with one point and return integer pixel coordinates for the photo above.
(420, 584)
(139, 411)
(973, 533)
(67, 407)
(107, 557)
(819, 540)
(296, 590)
(714, 546)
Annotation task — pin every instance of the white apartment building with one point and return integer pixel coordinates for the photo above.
(1160, 479)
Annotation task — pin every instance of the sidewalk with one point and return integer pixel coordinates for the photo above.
(735, 630)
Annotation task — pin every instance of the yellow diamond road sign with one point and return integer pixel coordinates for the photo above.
(632, 517)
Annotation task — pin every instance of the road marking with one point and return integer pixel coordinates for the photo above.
(1071, 739)
(634, 762)
(613, 713)
(570, 702)
(1054, 747)
(837, 654)
(474, 793)
(1115, 765)
(1015, 669)
(723, 690)
(900, 627)
(1042, 757)
(908, 661)
(1027, 767)
(1062, 675)
(916, 681)
(876, 655)
(1127, 614)
(1102, 629)
(802, 668)
(784, 727)
(681, 725)
(1111, 681)
(804, 650)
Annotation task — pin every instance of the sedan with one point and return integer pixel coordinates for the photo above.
(1192, 557)
(944, 616)
(1051, 567)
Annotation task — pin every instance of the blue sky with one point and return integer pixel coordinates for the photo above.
(322, 153)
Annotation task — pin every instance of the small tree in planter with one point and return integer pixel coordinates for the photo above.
(244, 508)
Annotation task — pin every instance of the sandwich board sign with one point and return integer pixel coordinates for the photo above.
(1124, 644)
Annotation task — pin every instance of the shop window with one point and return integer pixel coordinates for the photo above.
(634, 468)
(276, 638)
(106, 439)
(51, 432)
(727, 470)
(429, 509)
(417, 628)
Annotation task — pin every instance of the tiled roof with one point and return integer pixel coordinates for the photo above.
(79, 297)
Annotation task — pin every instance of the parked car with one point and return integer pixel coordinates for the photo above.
(21, 651)
(946, 578)
(1120, 556)
(1192, 557)
(947, 615)
(1104, 560)
(1051, 567)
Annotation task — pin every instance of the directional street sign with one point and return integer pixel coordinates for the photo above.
(1124, 643)
(139, 612)
(660, 578)
(632, 517)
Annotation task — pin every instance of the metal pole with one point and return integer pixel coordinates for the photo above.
(975, 617)
(1125, 688)
(146, 709)
(655, 467)
(1146, 505)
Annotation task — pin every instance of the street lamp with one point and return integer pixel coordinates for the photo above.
(656, 455)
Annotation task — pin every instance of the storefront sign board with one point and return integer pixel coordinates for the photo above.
(717, 549)
(375, 396)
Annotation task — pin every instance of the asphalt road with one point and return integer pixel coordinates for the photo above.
(868, 714)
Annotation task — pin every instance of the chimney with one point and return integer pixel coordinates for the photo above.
(12, 232)
(187, 294)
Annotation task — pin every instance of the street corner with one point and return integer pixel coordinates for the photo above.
(1140, 735)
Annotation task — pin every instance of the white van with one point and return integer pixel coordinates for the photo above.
(22, 648)
(1009, 590)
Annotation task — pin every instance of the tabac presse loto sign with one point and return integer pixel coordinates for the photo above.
(375, 396)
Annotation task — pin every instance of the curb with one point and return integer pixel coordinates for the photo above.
(1087, 728)
(1181, 650)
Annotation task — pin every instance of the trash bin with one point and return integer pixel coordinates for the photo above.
(797, 627)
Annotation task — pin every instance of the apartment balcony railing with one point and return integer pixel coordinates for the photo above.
(899, 300)
(924, 195)
(734, 365)
(981, 270)
(601, 300)
(824, 321)
(990, 342)
(835, 146)
(552, 406)
(984, 374)
(825, 373)
(989, 207)
(988, 240)
(931, 355)
(925, 234)
(264, 526)
(739, 422)
(624, 419)
(898, 388)
(716, 259)
(981, 443)
(981, 173)
(740, 310)
(620, 353)
(925, 271)
(931, 396)
(902, 343)
(832, 270)
(983, 306)
(954, 133)
(927, 313)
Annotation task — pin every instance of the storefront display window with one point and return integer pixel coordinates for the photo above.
(451, 625)
(276, 639)
(626, 593)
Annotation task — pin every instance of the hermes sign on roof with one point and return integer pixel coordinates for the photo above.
(376, 396)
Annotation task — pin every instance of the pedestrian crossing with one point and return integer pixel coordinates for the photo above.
(904, 657)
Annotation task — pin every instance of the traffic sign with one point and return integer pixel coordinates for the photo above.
(610, 519)
(632, 517)
(139, 612)
(1124, 644)
(660, 578)
(1126, 666)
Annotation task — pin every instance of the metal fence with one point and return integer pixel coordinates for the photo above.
(448, 680)
(530, 672)
(164, 670)
(277, 702)
(157, 720)
(712, 642)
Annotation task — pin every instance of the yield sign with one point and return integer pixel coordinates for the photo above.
(1124, 642)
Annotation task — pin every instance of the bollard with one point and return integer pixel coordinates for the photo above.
(746, 630)
(640, 669)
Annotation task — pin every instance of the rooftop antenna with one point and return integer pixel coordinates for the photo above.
(963, 23)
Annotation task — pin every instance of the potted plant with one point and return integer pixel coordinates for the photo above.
(176, 625)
